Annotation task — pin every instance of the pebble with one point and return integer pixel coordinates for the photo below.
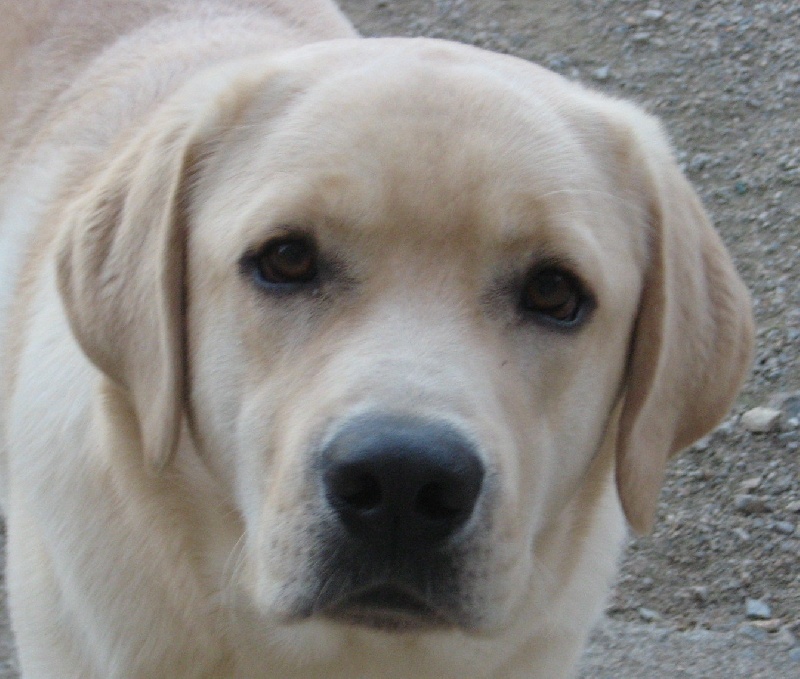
(793, 507)
(786, 638)
(756, 609)
(601, 74)
(771, 625)
(750, 484)
(742, 534)
(761, 420)
(784, 527)
(750, 504)
(648, 614)
(643, 36)
(653, 14)
(792, 406)
(794, 654)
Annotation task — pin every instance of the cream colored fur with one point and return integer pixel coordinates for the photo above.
(160, 412)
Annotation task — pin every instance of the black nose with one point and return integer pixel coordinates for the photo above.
(400, 480)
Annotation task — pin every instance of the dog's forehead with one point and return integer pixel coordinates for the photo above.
(428, 138)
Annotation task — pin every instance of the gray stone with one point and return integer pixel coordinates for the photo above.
(751, 484)
(601, 74)
(761, 420)
(648, 614)
(756, 609)
(653, 14)
(750, 504)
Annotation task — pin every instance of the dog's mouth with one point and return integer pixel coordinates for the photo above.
(388, 607)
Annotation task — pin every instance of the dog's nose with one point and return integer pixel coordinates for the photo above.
(400, 480)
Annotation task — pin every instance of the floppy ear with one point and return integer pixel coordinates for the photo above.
(693, 336)
(121, 256)
(120, 274)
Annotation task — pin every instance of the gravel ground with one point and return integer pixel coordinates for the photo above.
(715, 590)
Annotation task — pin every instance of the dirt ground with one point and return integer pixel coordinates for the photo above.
(724, 75)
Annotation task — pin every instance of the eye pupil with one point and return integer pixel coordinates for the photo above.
(551, 287)
(555, 294)
(288, 261)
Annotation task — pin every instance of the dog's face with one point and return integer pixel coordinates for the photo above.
(418, 280)
(423, 281)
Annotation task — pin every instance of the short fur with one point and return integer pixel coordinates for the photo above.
(162, 414)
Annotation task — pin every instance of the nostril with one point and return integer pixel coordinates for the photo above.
(437, 502)
(357, 489)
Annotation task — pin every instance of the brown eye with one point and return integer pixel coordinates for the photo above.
(555, 294)
(287, 261)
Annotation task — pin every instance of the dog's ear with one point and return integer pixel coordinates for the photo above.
(120, 264)
(120, 273)
(693, 335)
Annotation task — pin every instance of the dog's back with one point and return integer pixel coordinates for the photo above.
(45, 44)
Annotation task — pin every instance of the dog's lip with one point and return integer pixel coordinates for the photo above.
(388, 607)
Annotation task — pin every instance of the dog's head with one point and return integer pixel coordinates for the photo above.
(406, 294)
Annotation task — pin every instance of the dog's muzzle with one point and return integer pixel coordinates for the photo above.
(403, 494)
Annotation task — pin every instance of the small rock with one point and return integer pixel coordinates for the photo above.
(700, 593)
(784, 527)
(789, 403)
(742, 534)
(791, 406)
(761, 420)
(653, 14)
(641, 37)
(793, 506)
(601, 74)
(794, 655)
(755, 609)
(782, 484)
(750, 484)
(771, 625)
(729, 426)
(786, 638)
(558, 62)
(750, 504)
(648, 614)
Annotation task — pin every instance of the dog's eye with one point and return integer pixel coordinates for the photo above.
(287, 261)
(555, 294)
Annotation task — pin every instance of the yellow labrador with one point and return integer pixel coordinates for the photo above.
(333, 358)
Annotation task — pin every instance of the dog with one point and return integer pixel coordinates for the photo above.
(332, 357)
